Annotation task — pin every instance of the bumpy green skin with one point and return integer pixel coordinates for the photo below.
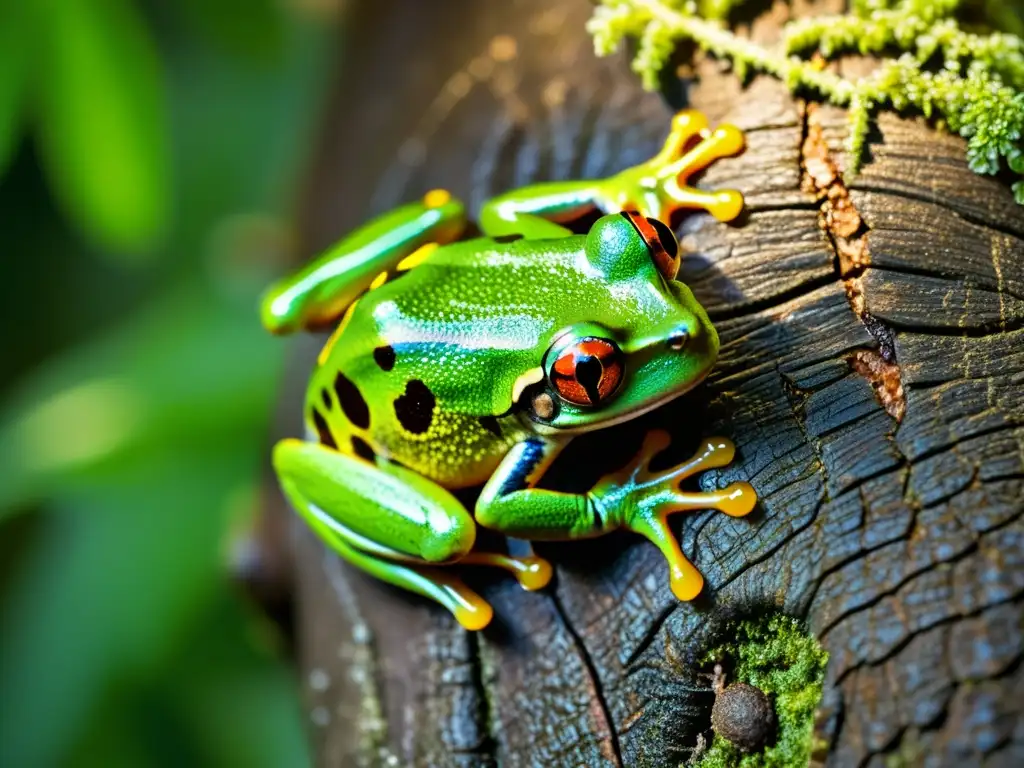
(776, 655)
(440, 373)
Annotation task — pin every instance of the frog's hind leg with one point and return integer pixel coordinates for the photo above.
(395, 525)
(320, 292)
(656, 188)
(468, 608)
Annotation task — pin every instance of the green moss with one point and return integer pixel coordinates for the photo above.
(928, 64)
(778, 656)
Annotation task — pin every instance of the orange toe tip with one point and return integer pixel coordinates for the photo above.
(729, 139)
(741, 499)
(726, 205)
(476, 617)
(687, 117)
(687, 588)
(537, 575)
(722, 449)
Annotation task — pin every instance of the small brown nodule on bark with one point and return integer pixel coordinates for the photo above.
(744, 715)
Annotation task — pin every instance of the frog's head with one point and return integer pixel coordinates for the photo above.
(645, 341)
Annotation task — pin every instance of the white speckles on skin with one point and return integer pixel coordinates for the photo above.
(383, 310)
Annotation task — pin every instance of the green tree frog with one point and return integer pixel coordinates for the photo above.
(455, 363)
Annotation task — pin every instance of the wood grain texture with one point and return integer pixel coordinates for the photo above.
(901, 544)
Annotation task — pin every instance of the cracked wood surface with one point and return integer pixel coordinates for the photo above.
(901, 544)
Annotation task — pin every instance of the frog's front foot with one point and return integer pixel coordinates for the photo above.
(659, 186)
(642, 500)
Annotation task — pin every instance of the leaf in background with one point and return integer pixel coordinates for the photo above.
(114, 585)
(226, 679)
(15, 36)
(103, 122)
(190, 370)
(253, 29)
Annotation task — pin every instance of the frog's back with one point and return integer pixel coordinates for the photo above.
(421, 368)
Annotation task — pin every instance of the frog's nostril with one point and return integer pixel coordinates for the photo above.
(678, 340)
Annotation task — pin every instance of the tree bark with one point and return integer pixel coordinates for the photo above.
(871, 374)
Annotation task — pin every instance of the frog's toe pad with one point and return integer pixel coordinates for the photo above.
(536, 574)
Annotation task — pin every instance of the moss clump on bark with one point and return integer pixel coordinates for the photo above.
(928, 62)
(778, 656)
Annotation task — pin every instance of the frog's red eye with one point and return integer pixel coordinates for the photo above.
(587, 371)
(660, 241)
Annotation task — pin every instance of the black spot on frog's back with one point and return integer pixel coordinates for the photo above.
(415, 409)
(353, 405)
(384, 357)
(323, 432)
(362, 449)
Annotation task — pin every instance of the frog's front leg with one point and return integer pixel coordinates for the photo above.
(320, 292)
(633, 498)
(394, 524)
(656, 188)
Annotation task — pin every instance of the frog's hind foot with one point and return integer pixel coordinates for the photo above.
(660, 186)
(681, 157)
(531, 572)
(436, 583)
(659, 496)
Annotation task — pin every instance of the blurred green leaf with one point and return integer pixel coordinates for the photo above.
(225, 680)
(15, 38)
(109, 592)
(103, 122)
(253, 29)
(139, 446)
(191, 369)
(222, 683)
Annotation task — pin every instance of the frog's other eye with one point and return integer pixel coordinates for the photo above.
(588, 371)
(660, 241)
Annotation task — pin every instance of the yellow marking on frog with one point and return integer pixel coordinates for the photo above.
(532, 376)
(329, 345)
(417, 257)
(379, 280)
(435, 198)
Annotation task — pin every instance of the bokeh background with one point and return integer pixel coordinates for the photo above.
(151, 155)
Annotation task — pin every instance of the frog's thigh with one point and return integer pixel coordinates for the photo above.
(388, 521)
